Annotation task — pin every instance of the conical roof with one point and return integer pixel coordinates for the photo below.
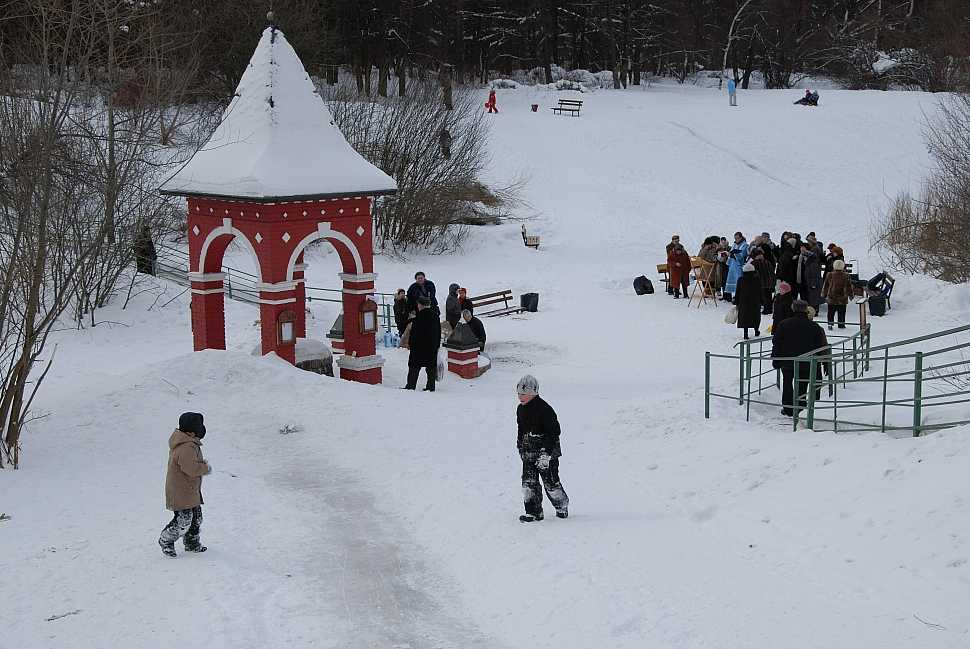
(277, 140)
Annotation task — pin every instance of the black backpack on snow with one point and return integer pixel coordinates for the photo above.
(643, 286)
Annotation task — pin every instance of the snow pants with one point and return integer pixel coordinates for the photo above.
(531, 491)
(185, 523)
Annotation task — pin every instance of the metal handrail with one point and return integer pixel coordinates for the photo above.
(918, 372)
(173, 264)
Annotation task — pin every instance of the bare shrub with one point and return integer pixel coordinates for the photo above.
(440, 193)
(928, 233)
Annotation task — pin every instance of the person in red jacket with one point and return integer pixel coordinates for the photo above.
(678, 266)
(490, 104)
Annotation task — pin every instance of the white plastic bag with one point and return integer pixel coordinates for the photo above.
(731, 317)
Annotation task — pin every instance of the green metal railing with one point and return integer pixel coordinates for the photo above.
(866, 388)
(173, 265)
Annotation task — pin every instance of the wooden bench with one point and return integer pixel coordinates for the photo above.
(571, 105)
(530, 240)
(499, 297)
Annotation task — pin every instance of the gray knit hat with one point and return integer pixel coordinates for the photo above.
(527, 385)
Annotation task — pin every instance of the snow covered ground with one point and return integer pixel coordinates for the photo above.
(388, 519)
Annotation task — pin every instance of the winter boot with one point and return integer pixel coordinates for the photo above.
(562, 514)
(195, 548)
(529, 518)
(167, 550)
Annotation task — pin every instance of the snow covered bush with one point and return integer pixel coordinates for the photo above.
(437, 156)
(506, 84)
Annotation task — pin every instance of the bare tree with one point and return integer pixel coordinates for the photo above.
(926, 234)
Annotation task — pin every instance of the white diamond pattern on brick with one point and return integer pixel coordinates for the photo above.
(195, 230)
(258, 237)
(286, 237)
(360, 231)
(304, 212)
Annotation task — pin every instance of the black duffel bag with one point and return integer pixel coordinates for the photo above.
(643, 286)
(529, 302)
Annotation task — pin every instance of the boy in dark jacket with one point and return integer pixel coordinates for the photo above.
(538, 444)
(183, 485)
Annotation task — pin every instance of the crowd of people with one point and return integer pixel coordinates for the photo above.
(417, 317)
(762, 277)
(787, 281)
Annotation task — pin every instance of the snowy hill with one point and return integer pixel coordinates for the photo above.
(388, 519)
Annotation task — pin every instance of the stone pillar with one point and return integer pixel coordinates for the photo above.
(274, 300)
(464, 363)
(208, 311)
(360, 361)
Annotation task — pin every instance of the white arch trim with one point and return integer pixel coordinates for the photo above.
(227, 229)
(324, 231)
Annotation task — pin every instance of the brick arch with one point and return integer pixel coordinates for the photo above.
(349, 253)
(217, 241)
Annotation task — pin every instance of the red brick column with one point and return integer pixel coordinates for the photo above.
(360, 361)
(300, 292)
(208, 311)
(274, 300)
(464, 363)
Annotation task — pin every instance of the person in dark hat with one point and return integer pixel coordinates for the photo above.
(424, 342)
(183, 485)
(793, 337)
(476, 326)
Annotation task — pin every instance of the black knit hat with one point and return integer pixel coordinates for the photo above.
(191, 422)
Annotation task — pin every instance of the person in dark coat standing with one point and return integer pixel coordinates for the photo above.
(401, 311)
(793, 337)
(788, 261)
(453, 306)
(809, 276)
(781, 305)
(539, 449)
(422, 287)
(476, 326)
(767, 276)
(748, 299)
(837, 291)
(424, 342)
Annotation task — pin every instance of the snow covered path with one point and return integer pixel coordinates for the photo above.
(389, 518)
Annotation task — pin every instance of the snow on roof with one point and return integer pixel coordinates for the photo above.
(277, 140)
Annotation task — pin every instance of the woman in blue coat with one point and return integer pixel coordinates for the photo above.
(737, 257)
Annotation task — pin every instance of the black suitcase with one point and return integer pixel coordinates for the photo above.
(643, 286)
(877, 305)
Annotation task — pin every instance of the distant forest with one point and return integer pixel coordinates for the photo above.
(920, 44)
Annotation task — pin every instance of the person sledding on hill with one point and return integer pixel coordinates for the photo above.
(490, 104)
(183, 485)
(810, 99)
(538, 444)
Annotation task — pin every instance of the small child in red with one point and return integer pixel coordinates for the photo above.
(490, 104)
